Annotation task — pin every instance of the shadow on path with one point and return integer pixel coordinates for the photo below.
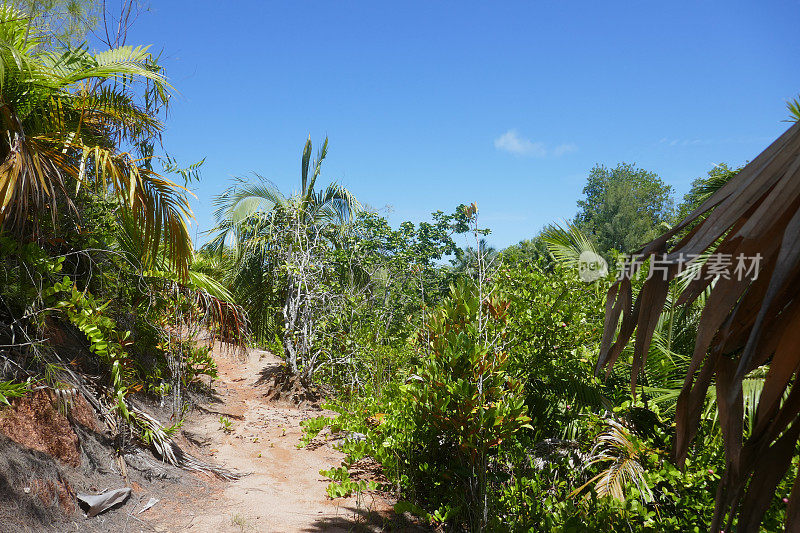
(362, 520)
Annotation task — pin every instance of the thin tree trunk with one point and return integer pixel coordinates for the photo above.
(289, 322)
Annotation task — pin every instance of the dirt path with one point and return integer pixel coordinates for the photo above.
(283, 491)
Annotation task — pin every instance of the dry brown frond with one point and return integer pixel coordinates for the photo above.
(745, 323)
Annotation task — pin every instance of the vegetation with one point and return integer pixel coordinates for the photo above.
(95, 257)
(624, 207)
(748, 322)
(496, 390)
(563, 449)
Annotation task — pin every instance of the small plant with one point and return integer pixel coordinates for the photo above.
(9, 389)
(311, 428)
(199, 362)
(341, 486)
(227, 425)
(239, 521)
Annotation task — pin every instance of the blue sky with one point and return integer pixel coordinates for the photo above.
(508, 104)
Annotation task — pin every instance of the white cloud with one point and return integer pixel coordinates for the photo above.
(511, 142)
(565, 148)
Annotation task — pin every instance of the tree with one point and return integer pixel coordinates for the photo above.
(466, 260)
(528, 252)
(64, 116)
(749, 319)
(272, 233)
(624, 207)
(66, 21)
(702, 189)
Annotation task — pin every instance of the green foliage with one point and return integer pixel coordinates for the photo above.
(462, 384)
(467, 260)
(793, 106)
(702, 189)
(529, 252)
(9, 390)
(552, 334)
(423, 423)
(105, 340)
(472, 385)
(63, 20)
(79, 195)
(381, 282)
(199, 362)
(342, 485)
(67, 114)
(623, 207)
(434, 433)
(278, 244)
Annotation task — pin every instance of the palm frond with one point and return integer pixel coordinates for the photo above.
(335, 205)
(621, 455)
(159, 206)
(566, 243)
(321, 154)
(794, 109)
(304, 162)
(109, 106)
(50, 134)
(747, 321)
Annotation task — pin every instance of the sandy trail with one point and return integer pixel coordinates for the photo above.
(283, 491)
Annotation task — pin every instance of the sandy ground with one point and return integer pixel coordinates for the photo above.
(283, 490)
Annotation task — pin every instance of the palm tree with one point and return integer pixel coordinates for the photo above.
(748, 324)
(241, 203)
(268, 232)
(466, 259)
(64, 114)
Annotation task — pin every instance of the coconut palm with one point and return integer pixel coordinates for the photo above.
(65, 113)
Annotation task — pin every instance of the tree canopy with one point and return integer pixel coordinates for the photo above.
(623, 207)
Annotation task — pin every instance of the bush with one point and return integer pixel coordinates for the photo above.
(436, 434)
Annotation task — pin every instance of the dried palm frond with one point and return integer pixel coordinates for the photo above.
(171, 453)
(747, 321)
(622, 454)
(102, 399)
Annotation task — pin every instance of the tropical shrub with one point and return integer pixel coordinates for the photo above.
(552, 337)
(437, 433)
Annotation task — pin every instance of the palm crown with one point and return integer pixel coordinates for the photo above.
(63, 117)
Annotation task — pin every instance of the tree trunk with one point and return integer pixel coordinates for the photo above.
(289, 325)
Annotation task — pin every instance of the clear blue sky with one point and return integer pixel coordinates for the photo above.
(510, 104)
